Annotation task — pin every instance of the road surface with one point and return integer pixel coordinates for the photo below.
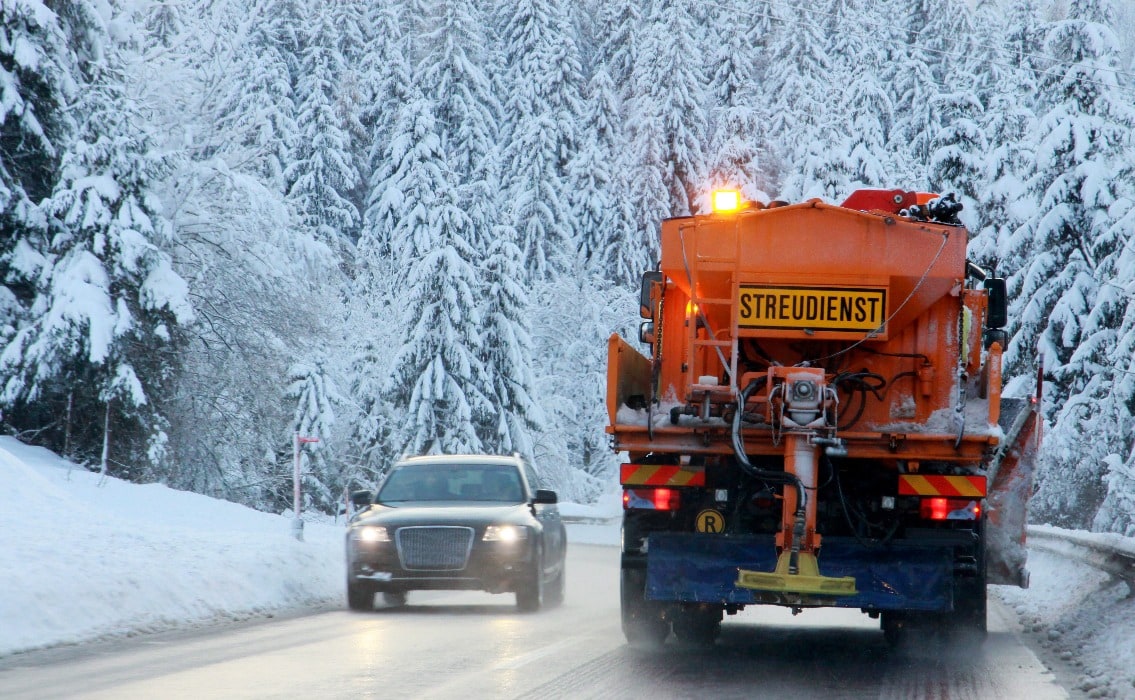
(473, 645)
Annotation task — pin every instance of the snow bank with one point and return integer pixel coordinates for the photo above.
(80, 560)
(1083, 618)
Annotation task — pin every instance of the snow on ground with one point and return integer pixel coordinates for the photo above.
(81, 561)
(1082, 616)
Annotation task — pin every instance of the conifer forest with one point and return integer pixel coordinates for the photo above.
(408, 226)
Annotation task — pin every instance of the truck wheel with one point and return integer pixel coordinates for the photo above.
(643, 622)
(359, 597)
(698, 627)
(969, 618)
(894, 628)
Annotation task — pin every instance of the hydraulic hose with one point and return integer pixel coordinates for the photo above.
(743, 459)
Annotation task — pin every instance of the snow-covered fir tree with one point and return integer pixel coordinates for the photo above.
(506, 352)
(436, 387)
(314, 393)
(109, 310)
(1084, 138)
(322, 172)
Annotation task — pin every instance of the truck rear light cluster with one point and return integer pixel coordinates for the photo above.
(651, 499)
(950, 509)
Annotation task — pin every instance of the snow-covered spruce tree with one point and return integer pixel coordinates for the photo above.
(37, 81)
(666, 119)
(798, 86)
(467, 112)
(618, 26)
(1116, 410)
(958, 150)
(257, 112)
(601, 244)
(1007, 89)
(736, 124)
(545, 83)
(384, 79)
(908, 70)
(1083, 139)
(109, 311)
(322, 171)
(313, 391)
(573, 451)
(435, 388)
(506, 352)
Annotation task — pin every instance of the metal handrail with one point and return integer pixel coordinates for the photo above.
(1108, 552)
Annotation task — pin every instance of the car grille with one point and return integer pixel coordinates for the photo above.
(434, 548)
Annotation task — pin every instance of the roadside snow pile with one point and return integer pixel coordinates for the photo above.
(1082, 616)
(80, 561)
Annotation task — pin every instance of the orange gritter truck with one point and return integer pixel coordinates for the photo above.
(818, 420)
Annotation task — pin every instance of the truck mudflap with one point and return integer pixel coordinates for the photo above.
(699, 568)
(1010, 487)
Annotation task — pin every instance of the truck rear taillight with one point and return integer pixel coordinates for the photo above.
(651, 499)
(950, 509)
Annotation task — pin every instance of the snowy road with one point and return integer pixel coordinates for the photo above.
(467, 645)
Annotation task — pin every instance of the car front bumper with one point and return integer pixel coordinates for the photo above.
(496, 567)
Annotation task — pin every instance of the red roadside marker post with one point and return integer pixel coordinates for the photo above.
(297, 523)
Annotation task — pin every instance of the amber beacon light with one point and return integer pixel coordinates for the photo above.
(726, 201)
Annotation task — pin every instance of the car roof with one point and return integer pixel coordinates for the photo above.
(460, 459)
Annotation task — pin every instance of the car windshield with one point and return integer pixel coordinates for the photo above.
(495, 483)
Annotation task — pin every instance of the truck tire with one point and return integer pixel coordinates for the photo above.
(359, 597)
(969, 619)
(643, 621)
(894, 628)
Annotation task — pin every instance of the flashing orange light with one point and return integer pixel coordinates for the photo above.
(726, 201)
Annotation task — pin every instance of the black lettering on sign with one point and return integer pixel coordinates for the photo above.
(853, 310)
(710, 521)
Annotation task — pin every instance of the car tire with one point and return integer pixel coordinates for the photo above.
(359, 597)
(530, 595)
(643, 622)
(394, 599)
(555, 594)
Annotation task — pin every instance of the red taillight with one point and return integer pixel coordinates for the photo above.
(665, 499)
(950, 509)
(651, 499)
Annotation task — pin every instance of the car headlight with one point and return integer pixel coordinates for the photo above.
(371, 533)
(505, 533)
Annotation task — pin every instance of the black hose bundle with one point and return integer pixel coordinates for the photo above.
(743, 459)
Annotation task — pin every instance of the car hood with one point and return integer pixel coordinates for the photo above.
(444, 513)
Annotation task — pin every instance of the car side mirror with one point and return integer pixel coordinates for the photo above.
(546, 496)
(361, 499)
(997, 313)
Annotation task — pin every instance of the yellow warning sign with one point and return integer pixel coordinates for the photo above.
(812, 308)
(710, 521)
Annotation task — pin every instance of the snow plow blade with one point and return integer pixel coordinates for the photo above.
(1010, 486)
(807, 581)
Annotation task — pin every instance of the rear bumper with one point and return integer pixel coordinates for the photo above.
(899, 576)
